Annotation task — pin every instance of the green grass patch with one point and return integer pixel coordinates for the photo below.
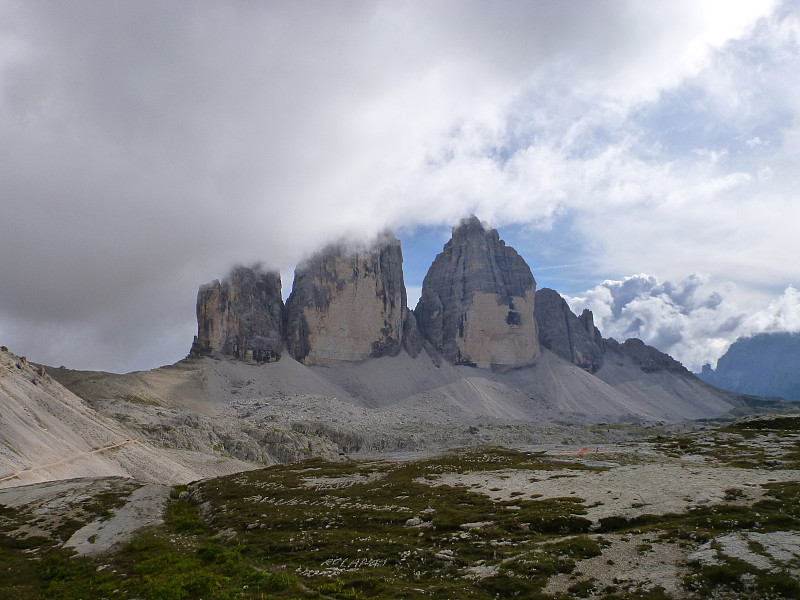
(784, 424)
(349, 530)
(134, 399)
(182, 517)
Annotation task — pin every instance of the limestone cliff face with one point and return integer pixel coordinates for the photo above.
(477, 301)
(241, 317)
(575, 339)
(347, 305)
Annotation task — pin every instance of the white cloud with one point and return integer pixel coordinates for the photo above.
(781, 314)
(694, 319)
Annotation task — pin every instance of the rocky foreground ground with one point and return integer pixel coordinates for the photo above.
(711, 513)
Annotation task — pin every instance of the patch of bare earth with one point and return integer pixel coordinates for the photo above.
(629, 563)
(626, 491)
(657, 485)
(129, 505)
(144, 507)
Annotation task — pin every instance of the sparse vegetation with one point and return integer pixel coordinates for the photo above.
(349, 530)
(756, 443)
(133, 398)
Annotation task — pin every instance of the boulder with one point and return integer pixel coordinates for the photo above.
(477, 303)
(241, 316)
(347, 304)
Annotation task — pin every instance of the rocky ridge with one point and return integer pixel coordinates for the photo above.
(575, 339)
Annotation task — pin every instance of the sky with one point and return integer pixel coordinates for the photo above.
(641, 156)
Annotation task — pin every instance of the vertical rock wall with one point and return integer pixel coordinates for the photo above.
(347, 304)
(575, 339)
(477, 301)
(241, 317)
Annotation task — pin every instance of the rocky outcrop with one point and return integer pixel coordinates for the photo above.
(241, 317)
(412, 338)
(477, 301)
(647, 358)
(479, 307)
(347, 304)
(573, 338)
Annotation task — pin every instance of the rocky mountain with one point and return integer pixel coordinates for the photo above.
(767, 364)
(477, 303)
(646, 358)
(577, 340)
(348, 304)
(241, 317)
(484, 358)
(574, 339)
(479, 312)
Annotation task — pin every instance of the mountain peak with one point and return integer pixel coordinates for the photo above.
(470, 223)
(477, 301)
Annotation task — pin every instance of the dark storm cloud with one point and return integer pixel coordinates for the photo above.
(149, 146)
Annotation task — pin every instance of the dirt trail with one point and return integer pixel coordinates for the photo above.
(71, 458)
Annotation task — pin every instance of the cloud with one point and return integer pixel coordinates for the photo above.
(781, 314)
(149, 146)
(694, 319)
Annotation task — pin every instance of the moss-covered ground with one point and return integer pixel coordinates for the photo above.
(377, 529)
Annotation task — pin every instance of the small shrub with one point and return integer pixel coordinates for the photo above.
(271, 582)
(182, 517)
(204, 583)
(176, 490)
(582, 589)
(732, 494)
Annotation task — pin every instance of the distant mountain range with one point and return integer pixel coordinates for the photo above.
(767, 364)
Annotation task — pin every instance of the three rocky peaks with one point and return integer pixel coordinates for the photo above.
(479, 307)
